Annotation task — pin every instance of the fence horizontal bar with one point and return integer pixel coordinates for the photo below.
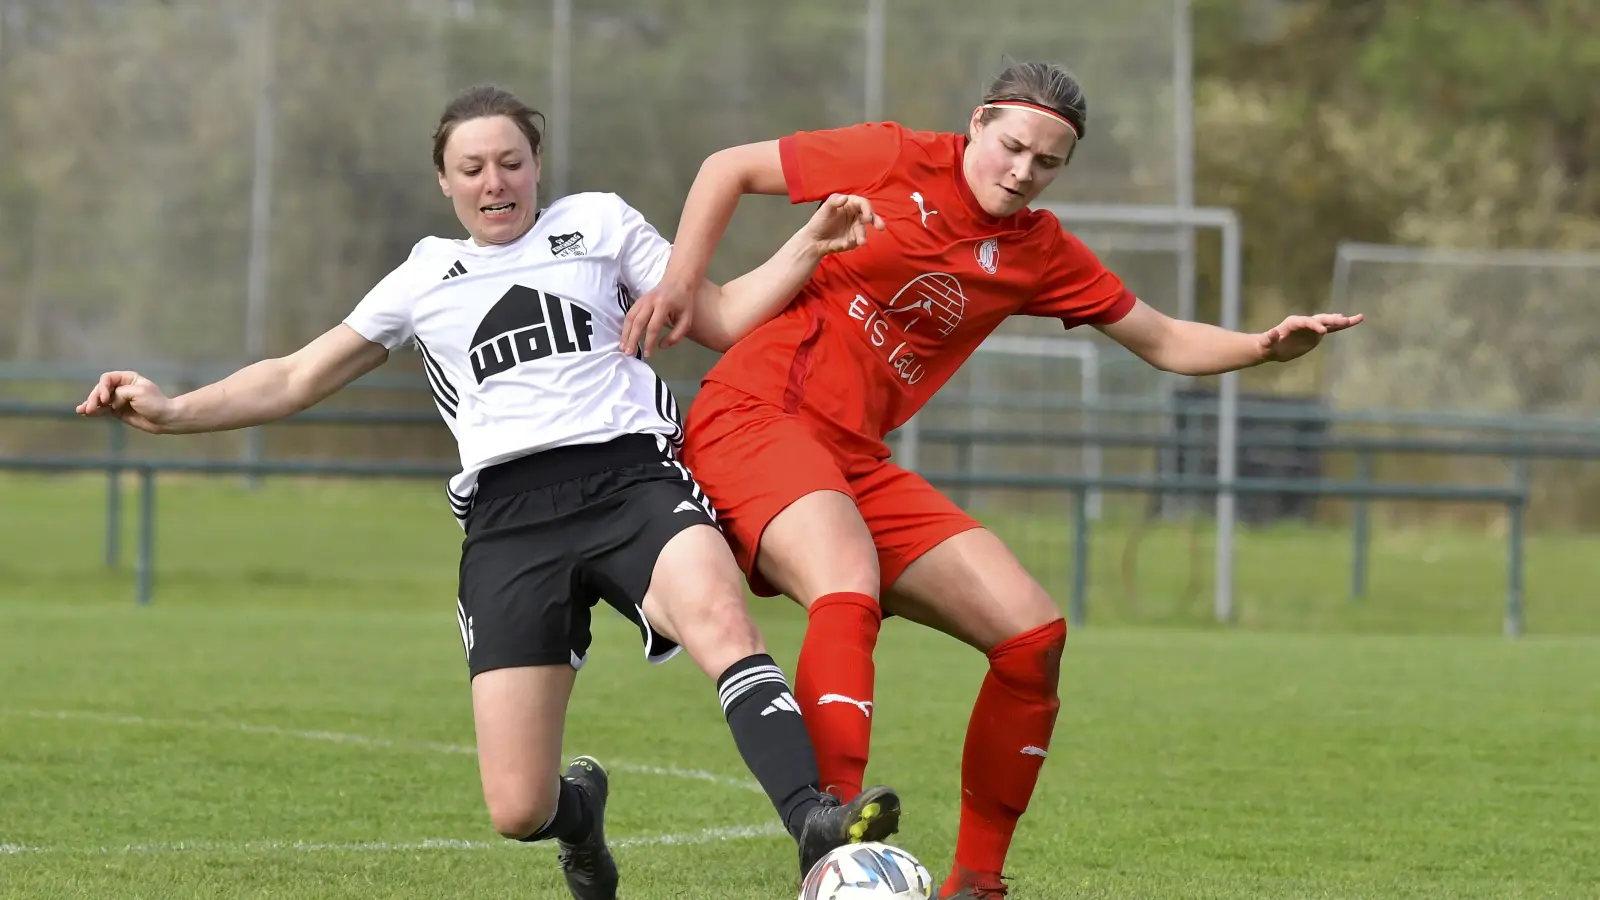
(231, 467)
(1502, 447)
(1247, 441)
(1204, 410)
(1316, 486)
(1325, 487)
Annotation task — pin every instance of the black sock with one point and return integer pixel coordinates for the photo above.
(771, 736)
(572, 821)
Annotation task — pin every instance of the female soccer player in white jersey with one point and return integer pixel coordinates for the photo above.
(570, 490)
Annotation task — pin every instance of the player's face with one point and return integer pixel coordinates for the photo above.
(491, 176)
(1014, 157)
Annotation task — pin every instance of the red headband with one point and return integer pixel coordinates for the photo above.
(1036, 109)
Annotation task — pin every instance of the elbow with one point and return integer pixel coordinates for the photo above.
(715, 338)
(723, 166)
(747, 169)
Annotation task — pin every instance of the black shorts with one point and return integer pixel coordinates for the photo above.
(551, 534)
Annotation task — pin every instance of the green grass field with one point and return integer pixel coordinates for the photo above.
(290, 720)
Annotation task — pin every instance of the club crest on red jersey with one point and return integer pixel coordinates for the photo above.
(988, 254)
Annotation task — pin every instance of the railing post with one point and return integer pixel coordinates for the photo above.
(1078, 609)
(116, 442)
(147, 534)
(1361, 534)
(1514, 548)
(963, 494)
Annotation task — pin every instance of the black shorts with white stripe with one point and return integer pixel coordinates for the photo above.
(552, 534)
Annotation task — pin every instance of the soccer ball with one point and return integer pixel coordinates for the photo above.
(870, 871)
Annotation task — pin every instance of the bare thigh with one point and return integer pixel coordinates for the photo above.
(520, 715)
(697, 599)
(972, 588)
(819, 545)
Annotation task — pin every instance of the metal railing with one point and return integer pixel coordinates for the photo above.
(1513, 495)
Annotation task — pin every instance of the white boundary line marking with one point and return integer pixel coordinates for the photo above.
(706, 836)
(337, 737)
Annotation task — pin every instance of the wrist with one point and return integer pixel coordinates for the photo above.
(173, 417)
(804, 248)
(1263, 348)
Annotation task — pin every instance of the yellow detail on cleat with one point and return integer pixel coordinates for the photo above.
(859, 829)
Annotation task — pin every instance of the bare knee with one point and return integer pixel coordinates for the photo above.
(519, 810)
(1032, 609)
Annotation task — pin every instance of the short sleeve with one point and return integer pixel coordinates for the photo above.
(384, 315)
(838, 160)
(642, 252)
(1077, 288)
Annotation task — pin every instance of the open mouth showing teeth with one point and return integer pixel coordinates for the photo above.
(495, 210)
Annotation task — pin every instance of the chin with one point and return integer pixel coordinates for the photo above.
(1005, 205)
(500, 232)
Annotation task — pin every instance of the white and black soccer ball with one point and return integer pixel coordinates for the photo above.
(870, 871)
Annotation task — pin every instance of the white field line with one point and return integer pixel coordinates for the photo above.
(706, 836)
(337, 737)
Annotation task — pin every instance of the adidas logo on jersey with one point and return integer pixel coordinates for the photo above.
(784, 703)
(526, 325)
(564, 245)
(457, 269)
(687, 506)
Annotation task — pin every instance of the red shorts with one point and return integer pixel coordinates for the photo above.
(753, 459)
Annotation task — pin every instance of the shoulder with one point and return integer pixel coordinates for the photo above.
(429, 261)
(596, 217)
(1042, 229)
(594, 206)
(929, 148)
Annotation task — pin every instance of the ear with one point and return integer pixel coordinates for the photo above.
(538, 167)
(444, 184)
(976, 125)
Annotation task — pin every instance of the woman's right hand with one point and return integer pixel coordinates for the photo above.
(132, 398)
(840, 224)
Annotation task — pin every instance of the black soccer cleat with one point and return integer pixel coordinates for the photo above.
(590, 870)
(872, 816)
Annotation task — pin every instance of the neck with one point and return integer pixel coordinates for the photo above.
(522, 232)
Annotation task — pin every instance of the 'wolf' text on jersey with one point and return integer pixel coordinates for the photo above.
(526, 325)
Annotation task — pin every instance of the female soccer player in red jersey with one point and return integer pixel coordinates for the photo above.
(786, 435)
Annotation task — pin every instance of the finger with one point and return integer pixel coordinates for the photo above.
(877, 222)
(633, 323)
(122, 398)
(652, 330)
(680, 329)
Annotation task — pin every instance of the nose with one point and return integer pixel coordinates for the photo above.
(493, 183)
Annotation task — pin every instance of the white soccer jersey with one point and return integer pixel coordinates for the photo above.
(521, 341)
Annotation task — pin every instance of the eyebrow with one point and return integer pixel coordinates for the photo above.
(1048, 156)
(475, 157)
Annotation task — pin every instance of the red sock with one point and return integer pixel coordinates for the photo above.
(1007, 740)
(833, 683)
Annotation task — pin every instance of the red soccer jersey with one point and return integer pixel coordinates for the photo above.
(877, 330)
